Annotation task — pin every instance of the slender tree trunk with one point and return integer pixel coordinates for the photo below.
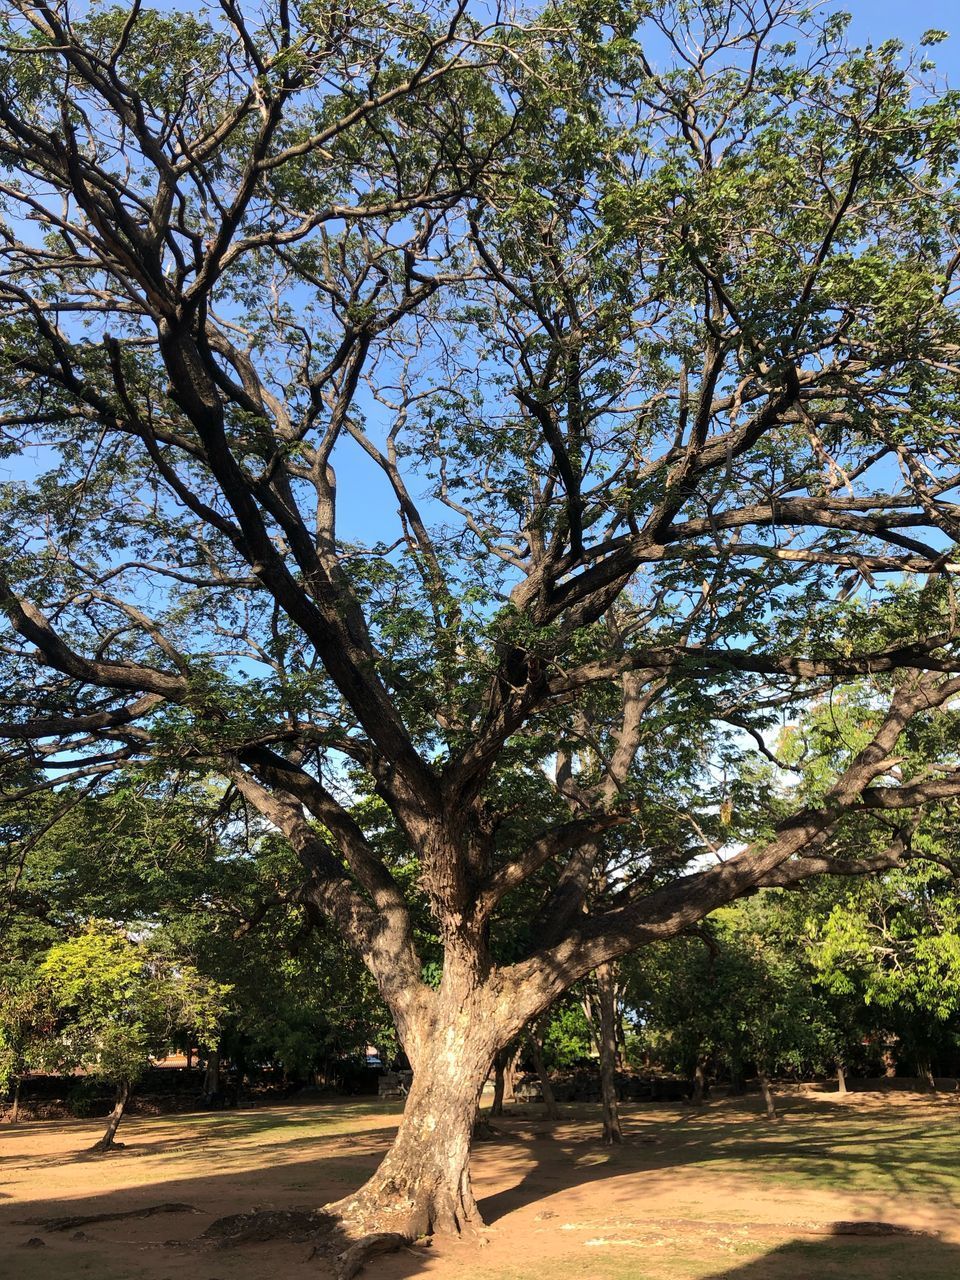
(841, 1078)
(925, 1072)
(736, 1078)
(546, 1088)
(699, 1084)
(211, 1078)
(607, 990)
(499, 1068)
(767, 1092)
(15, 1107)
(116, 1115)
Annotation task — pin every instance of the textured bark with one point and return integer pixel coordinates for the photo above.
(607, 989)
(768, 1102)
(423, 1184)
(116, 1115)
(546, 1087)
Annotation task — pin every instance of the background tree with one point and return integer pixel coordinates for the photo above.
(21, 1024)
(112, 1004)
(656, 362)
(892, 950)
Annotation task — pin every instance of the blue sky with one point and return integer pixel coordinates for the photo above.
(878, 20)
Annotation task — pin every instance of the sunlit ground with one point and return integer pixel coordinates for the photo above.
(714, 1195)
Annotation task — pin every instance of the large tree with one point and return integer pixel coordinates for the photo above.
(641, 319)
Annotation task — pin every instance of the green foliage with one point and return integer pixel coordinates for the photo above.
(113, 1002)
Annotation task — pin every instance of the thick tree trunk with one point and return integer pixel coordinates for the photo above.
(546, 1087)
(423, 1185)
(767, 1092)
(116, 1115)
(607, 990)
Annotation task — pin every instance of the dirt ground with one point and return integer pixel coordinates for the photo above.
(717, 1194)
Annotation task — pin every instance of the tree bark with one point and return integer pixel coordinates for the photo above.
(211, 1078)
(116, 1115)
(423, 1184)
(550, 1107)
(15, 1106)
(841, 1078)
(699, 1084)
(925, 1072)
(767, 1091)
(499, 1068)
(607, 990)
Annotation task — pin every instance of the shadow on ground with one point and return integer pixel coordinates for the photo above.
(851, 1259)
(218, 1166)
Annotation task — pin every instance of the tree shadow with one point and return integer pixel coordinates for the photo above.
(813, 1146)
(534, 1161)
(840, 1258)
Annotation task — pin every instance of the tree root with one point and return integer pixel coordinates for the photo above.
(84, 1220)
(484, 1131)
(358, 1255)
(299, 1225)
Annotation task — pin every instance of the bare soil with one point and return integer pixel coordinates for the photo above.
(863, 1186)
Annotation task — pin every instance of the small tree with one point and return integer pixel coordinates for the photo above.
(19, 1027)
(116, 1002)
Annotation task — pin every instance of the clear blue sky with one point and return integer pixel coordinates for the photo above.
(907, 20)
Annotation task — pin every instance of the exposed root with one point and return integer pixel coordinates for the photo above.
(271, 1224)
(85, 1219)
(358, 1255)
(484, 1131)
(102, 1148)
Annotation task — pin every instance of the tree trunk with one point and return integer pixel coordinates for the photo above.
(736, 1079)
(699, 1084)
(15, 1106)
(211, 1078)
(116, 1115)
(925, 1072)
(423, 1184)
(607, 990)
(841, 1078)
(546, 1088)
(767, 1092)
(499, 1068)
